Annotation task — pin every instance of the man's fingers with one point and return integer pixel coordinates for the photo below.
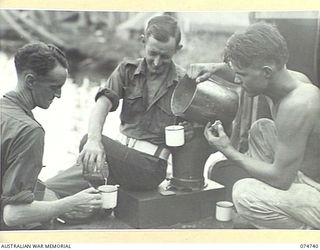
(203, 77)
(96, 197)
(192, 72)
(85, 162)
(92, 190)
(187, 125)
(100, 160)
(103, 159)
(207, 129)
(96, 202)
(80, 157)
(92, 162)
(220, 130)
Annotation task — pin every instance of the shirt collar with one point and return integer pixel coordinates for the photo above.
(14, 97)
(141, 67)
(172, 74)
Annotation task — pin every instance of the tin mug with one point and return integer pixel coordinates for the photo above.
(174, 135)
(224, 210)
(109, 196)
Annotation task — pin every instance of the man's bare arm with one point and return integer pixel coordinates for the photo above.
(38, 211)
(98, 117)
(203, 71)
(93, 149)
(294, 123)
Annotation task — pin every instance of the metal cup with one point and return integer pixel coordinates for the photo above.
(109, 196)
(174, 135)
(224, 210)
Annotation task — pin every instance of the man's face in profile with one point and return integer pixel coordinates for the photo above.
(251, 78)
(48, 87)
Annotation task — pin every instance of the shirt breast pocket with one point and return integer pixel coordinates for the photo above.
(161, 116)
(132, 108)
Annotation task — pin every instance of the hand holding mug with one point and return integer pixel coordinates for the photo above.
(216, 136)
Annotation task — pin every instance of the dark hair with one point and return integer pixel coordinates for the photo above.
(162, 28)
(260, 42)
(39, 57)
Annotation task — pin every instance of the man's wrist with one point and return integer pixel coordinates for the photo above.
(65, 205)
(229, 152)
(94, 138)
(218, 66)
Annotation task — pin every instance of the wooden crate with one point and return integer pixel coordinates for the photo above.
(152, 209)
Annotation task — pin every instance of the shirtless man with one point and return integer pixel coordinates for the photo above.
(284, 154)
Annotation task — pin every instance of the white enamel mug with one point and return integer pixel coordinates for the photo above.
(174, 135)
(224, 210)
(109, 196)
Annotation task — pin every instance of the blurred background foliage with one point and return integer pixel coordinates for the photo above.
(95, 42)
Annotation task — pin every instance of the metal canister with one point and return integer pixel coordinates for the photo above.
(211, 100)
(214, 99)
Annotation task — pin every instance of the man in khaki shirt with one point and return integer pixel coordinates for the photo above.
(138, 159)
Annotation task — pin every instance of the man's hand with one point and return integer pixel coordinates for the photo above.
(86, 200)
(92, 155)
(188, 130)
(202, 71)
(216, 136)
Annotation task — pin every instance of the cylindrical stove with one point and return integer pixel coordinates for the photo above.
(215, 99)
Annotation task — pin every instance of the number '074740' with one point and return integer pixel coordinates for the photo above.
(314, 246)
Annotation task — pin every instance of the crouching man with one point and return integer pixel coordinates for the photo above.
(284, 153)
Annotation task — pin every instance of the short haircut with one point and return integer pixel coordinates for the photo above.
(259, 43)
(39, 57)
(162, 28)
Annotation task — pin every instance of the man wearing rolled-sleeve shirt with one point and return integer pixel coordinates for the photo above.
(138, 159)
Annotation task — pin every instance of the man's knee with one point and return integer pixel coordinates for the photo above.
(243, 193)
(239, 188)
